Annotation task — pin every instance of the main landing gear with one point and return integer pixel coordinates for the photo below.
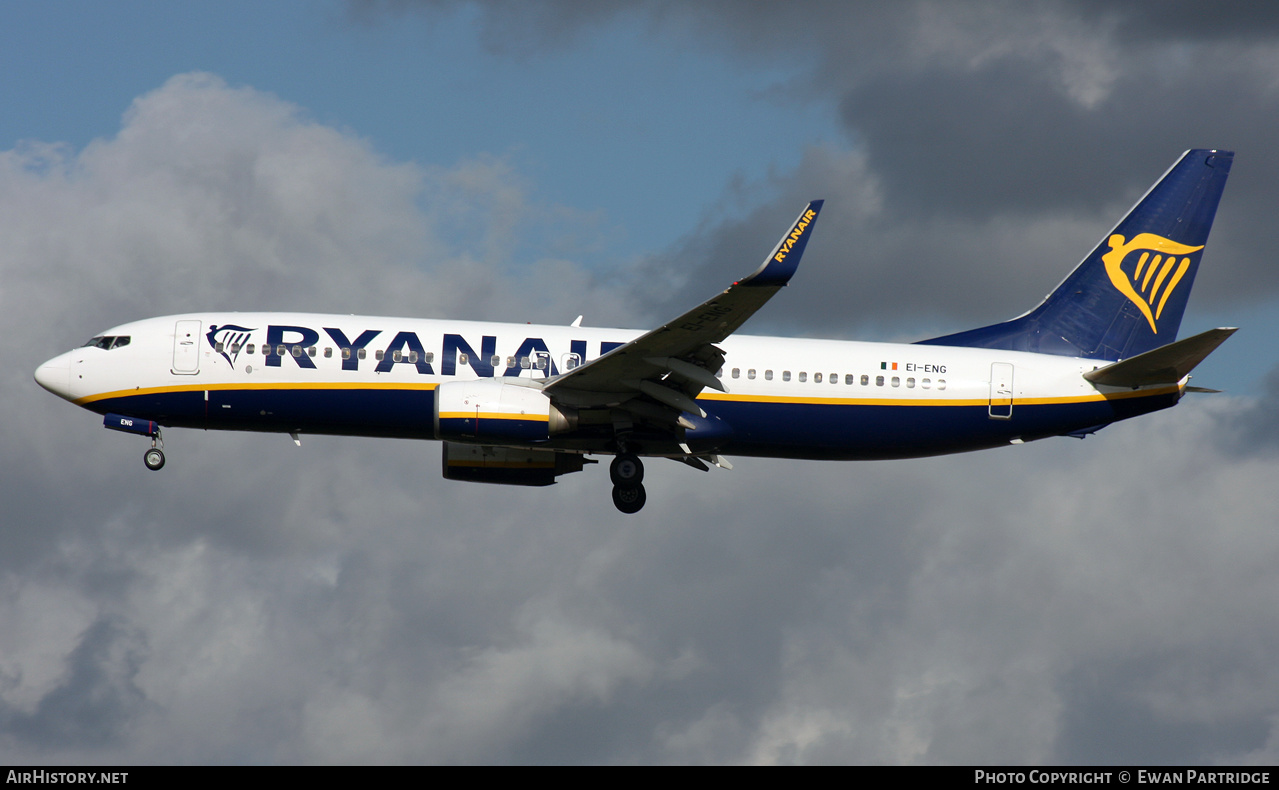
(627, 472)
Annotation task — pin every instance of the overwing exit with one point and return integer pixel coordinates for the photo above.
(524, 404)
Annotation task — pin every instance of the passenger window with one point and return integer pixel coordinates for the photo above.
(525, 364)
(346, 353)
(397, 356)
(495, 361)
(249, 349)
(430, 357)
(364, 352)
(750, 374)
(737, 373)
(941, 384)
(719, 374)
(925, 383)
(803, 376)
(865, 380)
(897, 382)
(540, 363)
(879, 381)
(219, 347)
(785, 375)
(510, 362)
(310, 352)
(848, 378)
(463, 359)
(281, 350)
(413, 357)
(297, 351)
(910, 383)
(833, 378)
(328, 352)
(817, 378)
(768, 375)
(380, 355)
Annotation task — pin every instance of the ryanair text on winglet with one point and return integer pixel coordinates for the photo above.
(794, 235)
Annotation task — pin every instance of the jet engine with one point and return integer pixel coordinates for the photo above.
(493, 411)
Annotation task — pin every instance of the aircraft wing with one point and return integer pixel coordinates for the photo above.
(674, 362)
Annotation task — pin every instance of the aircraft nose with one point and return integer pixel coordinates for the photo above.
(55, 376)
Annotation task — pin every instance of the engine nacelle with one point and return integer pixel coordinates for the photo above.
(478, 463)
(496, 412)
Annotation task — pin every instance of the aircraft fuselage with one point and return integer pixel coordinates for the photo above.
(785, 397)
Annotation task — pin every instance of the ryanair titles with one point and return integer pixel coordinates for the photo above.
(794, 236)
(303, 345)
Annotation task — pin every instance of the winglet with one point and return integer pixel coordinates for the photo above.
(781, 263)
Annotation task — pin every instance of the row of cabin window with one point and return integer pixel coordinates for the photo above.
(397, 356)
(849, 378)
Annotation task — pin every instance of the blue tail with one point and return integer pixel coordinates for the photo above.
(1128, 295)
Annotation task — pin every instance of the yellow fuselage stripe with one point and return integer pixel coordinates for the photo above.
(470, 415)
(705, 396)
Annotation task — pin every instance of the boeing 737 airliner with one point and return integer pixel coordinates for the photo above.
(522, 404)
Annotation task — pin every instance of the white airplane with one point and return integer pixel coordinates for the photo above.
(523, 404)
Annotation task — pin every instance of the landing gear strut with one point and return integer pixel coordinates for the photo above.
(627, 473)
(154, 457)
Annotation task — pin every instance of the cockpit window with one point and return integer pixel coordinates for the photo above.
(108, 342)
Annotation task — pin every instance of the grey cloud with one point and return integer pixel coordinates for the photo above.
(96, 701)
(979, 124)
(1253, 429)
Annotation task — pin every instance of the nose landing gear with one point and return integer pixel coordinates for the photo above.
(627, 473)
(154, 457)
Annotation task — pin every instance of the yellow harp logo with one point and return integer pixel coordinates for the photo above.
(1154, 273)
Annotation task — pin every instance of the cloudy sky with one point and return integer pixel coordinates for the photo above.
(1106, 600)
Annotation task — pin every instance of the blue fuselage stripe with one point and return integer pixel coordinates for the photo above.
(782, 429)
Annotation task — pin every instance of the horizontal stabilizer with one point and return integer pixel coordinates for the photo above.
(1164, 365)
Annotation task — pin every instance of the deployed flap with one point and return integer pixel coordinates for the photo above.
(1165, 365)
(675, 352)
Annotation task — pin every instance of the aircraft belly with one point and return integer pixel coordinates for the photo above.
(868, 432)
(406, 413)
(768, 429)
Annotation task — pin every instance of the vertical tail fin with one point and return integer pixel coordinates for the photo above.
(1128, 294)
